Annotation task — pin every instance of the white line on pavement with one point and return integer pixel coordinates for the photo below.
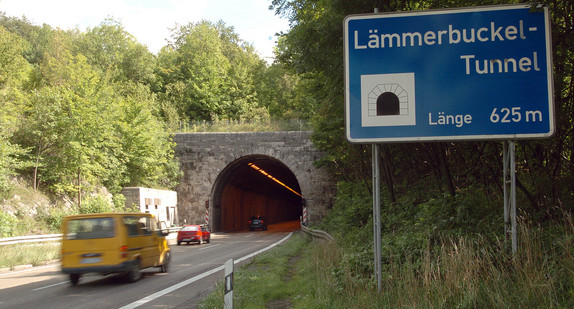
(208, 247)
(51, 285)
(172, 288)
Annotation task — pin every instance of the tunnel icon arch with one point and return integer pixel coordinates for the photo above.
(254, 185)
(388, 100)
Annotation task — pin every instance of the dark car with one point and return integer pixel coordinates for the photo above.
(257, 222)
(193, 233)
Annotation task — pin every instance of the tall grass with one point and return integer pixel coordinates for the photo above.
(458, 273)
(28, 254)
(265, 279)
(230, 125)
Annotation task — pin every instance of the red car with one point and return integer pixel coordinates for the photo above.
(193, 233)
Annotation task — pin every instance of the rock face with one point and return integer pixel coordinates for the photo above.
(207, 160)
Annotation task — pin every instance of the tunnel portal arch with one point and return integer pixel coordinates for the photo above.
(246, 188)
(212, 163)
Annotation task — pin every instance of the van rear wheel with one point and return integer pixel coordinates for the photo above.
(134, 274)
(74, 278)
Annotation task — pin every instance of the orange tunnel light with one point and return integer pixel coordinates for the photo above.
(257, 168)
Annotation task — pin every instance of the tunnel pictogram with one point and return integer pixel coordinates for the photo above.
(388, 104)
(388, 100)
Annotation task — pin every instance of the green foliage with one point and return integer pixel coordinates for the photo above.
(284, 94)
(313, 48)
(53, 217)
(24, 254)
(85, 109)
(117, 54)
(13, 70)
(256, 123)
(206, 71)
(416, 222)
(119, 203)
(270, 277)
(96, 204)
(101, 203)
(460, 273)
(7, 224)
(83, 115)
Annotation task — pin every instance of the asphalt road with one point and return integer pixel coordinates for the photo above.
(194, 272)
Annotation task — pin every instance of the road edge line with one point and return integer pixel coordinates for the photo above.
(172, 288)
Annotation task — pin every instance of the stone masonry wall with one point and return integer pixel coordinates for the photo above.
(203, 156)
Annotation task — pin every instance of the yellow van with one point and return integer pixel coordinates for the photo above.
(113, 243)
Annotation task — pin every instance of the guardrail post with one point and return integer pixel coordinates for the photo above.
(228, 298)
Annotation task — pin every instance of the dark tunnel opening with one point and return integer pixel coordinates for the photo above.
(246, 188)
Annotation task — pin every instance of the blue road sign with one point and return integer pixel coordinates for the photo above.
(462, 74)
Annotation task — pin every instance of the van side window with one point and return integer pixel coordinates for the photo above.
(90, 228)
(131, 224)
(145, 225)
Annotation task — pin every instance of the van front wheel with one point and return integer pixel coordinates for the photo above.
(74, 278)
(165, 265)
(134, 274)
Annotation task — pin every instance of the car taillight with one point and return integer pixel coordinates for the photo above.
(123, 252)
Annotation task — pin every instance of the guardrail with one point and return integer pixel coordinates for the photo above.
(316, 233)
(30, 239)
(57, 237)
(47, 237)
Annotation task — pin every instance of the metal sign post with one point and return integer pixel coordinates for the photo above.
(509, 165)
(377, 215)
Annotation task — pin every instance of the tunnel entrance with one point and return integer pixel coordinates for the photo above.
(246, 188)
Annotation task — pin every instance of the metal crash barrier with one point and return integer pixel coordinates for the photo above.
(46, 238)
(316, 233)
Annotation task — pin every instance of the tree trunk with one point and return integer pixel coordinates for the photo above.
(79, 188)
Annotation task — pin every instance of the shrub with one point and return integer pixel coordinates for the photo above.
(96, 204)
(53, 217)
(7, 224)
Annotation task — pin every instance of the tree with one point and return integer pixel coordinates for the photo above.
(13, 71)
(147, 156)
(75, 100)
(313, 48)
(116, 53)
(77, 111)
(208, 71)
(196, 69)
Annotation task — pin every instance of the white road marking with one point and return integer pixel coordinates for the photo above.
(49, 286)
(172, 288)
(208, 247)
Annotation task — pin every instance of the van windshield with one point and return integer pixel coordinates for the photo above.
(90, 228)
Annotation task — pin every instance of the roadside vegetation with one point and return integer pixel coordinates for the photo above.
(462, 272)
(28, 254)
(86, 110)
(240, 125)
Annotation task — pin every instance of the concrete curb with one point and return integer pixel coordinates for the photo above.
(26, 266)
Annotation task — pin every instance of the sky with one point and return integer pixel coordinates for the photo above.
(149, 21)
